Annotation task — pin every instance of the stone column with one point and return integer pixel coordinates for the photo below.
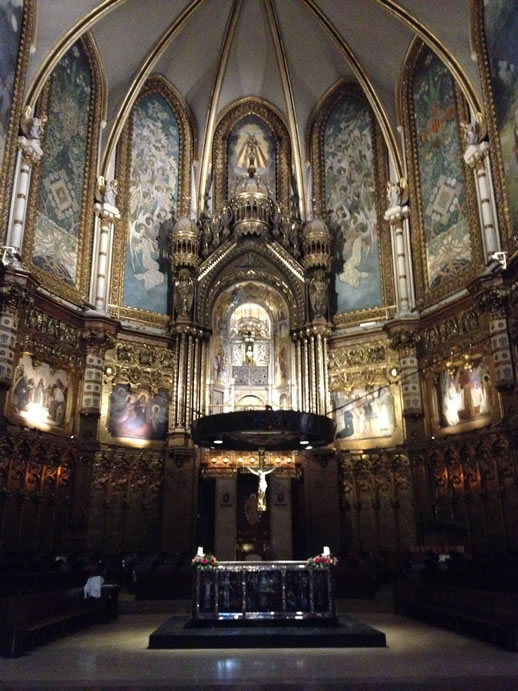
(493, 302)
(397, 217)
(476, 157)
(405, 340)
(107, 214)
(14, 297)
(311, 343)
(29, 153)
(97, 342)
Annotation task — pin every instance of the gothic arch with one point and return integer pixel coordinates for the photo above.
(155, 85)
(430, 285)
(275, 124)
(76, 289)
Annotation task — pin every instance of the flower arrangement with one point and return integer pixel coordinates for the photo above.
(204, 561)
(322, 560)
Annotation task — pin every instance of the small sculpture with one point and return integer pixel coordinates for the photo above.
(106, 192)
(474, 132)
(397, 193)
(318, 295)
(32, 127)
(183, 294)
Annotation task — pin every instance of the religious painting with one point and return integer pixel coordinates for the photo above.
(11, 17)
(443, 197)
(464, 393)
(138, 413)
(350, 193)
(501, 27)
(153, 196)
(251, 134)
(60, 194)
(40, 394)
(363, 414)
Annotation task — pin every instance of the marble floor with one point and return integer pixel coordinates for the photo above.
(115, 656)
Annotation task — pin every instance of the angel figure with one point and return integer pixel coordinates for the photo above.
(32, 127)
(397, 193)
(474, 132)
(106, 192)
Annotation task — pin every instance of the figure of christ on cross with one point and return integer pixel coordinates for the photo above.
(261, 474)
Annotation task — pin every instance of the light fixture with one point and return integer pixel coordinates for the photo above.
(308, 448)
(304, 442)
(218, 441)
(214, 460)
(225, 460)
(277, 460)
(252, 460)
(239, 460)
(394, 371)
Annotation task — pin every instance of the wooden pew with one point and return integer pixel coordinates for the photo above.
(36, 618)
(485, 614)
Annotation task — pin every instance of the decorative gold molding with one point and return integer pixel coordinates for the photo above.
(426, 296)
(266, 113)
(208, 134)
(141, 365)
(348, 89)
(365, 83)
(282, 62)
(437, 46)
(8, 164)
(497, 163)
(155, 85)
(78, 293)
(140, 78)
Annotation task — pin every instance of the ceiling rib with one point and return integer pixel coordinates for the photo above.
(365, 83)
(141, 76)
(289, 100)
(68, 40)
(433, 42)
(208, 135)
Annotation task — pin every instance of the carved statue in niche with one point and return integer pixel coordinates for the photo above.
(397, 193)
(183, 294)
(318, 288)
(32, 127)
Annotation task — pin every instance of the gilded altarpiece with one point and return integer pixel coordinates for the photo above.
(273, 148)
(58, 237)
(447, 246)
(135, 405)
(365, 397)
(153, 167)
(495, 31)
(16, 28)
(348, 158)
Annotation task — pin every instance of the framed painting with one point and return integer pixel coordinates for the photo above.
(138, 413)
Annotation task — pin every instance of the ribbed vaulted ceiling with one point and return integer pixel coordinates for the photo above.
(287, 52)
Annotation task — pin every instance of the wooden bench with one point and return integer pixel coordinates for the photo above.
(485, 614)
(36, 618)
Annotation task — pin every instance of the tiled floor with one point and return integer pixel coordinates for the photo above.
(115, 656)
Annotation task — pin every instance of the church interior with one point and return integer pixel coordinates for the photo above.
(265, 208)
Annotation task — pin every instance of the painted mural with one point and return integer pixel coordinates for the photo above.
(464, 393)
(350, 198)
(11, 16)
(138, 414)
(153, 194)
(501, 24)
(364, 414)
(264, 150)
(444, 208)
(39, 393)
(56, 237)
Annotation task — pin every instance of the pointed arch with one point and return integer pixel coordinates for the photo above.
(349, 164)
(59, 230)
(446, 242)
(264, 113)
(160, 128)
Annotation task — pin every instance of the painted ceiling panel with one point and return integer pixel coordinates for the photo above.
(252, 68)
(191, 61)
(450, 21)
(54, 19)
(141, 24)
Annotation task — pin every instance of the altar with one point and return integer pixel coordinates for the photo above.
(244, 591)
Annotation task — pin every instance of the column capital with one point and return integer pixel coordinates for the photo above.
(30, 149)
(106, 211)
(475, 154)
(397, 214)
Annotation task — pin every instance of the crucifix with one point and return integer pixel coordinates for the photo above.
(261, 473)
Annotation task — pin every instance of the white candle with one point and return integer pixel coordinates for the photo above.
(326, 552)
(199, 553)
